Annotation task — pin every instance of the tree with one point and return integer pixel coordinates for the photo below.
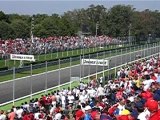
(39, 31)
(21, 29)
(119, 18)
(6, 31)
(3, 17)
(112, 22)
(51, 26)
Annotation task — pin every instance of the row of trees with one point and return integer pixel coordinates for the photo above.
(115, 22)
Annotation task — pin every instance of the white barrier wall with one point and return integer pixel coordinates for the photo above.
(99, 62)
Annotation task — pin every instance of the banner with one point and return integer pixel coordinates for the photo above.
(75, 79)
(99, 62)
(22, 57)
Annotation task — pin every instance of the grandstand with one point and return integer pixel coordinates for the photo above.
(108, 70)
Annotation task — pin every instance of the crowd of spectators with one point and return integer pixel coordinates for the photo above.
(52, 44)
(134, 94)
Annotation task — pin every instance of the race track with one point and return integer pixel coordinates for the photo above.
(37, 83)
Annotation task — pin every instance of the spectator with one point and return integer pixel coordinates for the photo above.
(132, 96)
(11, 115)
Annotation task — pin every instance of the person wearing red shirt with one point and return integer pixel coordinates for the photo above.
(153, 77)
(26, 116)
(147, 95)
(79, 113)
(152, 106)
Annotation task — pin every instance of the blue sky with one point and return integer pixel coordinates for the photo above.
(60, 6)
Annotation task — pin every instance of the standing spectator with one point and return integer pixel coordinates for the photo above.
(154, 110)
(19, 112)
(3, 115)
(79, 115)
(11, 115)
(87, 113)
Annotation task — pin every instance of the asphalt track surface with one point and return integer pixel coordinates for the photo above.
(37, 83)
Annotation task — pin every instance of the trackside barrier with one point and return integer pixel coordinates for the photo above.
(154, 47)
(120, 65)
(65, 60)
(12, 101)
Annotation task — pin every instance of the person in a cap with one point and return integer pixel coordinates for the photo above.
(88, 110)
(153, 106)
(95, 114)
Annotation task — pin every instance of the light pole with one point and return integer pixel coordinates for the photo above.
(149, 38)
(32, 27)
(32, 38)
(97, 27)
(129, 33)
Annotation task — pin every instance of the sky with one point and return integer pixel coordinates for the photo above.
(49, 7)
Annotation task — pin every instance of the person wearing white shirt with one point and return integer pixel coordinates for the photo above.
(26, 106)
(58, 116)
(118, 73)
(77, 92)
(144, 115)
(63, 100)
(36, 115)
(91, 92)
(82, 98)
(58, 97)
(147, 84)
(52, 110)
(35, 104)
(70, 98)
(2, 115)
(100, 91)
(121, 107)
(19, 112)
(82, 86)
(86, 96)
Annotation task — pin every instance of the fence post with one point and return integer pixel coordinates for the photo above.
(96, 65)
(59, 73)
(57, 53)
(31, 80)
(14, 84)
(80, 74)
(89, 69)
(70, 73)
(108, 65)
(121, 56)
(103, 63)
(46, 71)
(51, 54)
(130, 54)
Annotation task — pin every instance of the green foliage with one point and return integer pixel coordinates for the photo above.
(3, 16)
(6, 31)
(20, 28)
(119, 19)
(114, 22)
